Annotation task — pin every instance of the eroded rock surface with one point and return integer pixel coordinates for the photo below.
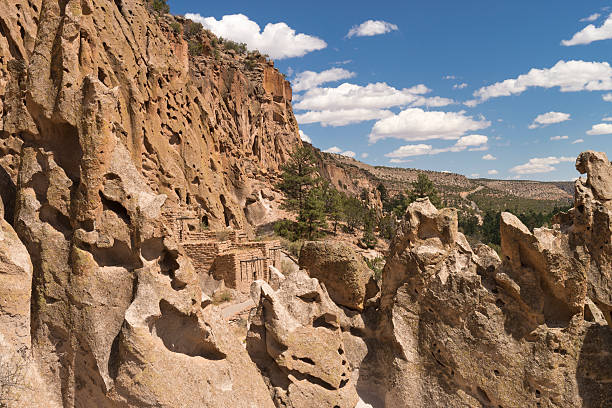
(106, 125)
(343, 272)
(295, 338)
(460, 327)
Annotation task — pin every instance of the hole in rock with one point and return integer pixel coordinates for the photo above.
(181, 333)
(322, 321)
(304, 359)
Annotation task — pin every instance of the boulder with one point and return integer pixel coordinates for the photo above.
(343, 272)
(295, 339)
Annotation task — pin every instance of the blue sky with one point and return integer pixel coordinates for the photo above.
(439, 85)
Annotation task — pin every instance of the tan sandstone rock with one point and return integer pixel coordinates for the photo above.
(343, 272)
(296, 341)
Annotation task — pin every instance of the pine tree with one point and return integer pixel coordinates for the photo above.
(311, 217)
(423, 187)
(298, 178)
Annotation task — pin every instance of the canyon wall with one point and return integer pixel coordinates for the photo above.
(106, 124)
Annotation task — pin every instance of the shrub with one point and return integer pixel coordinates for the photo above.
(12, 377)
(192, 29)
(222, 297)
(159, 6)
(376, 265)
(195, 47)
(176, 27)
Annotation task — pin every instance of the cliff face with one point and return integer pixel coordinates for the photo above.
(107, 124)
(199, 130)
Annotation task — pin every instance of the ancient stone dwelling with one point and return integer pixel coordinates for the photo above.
(227, 255)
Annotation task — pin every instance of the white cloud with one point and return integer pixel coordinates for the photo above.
(341, 117)
(350, 96)
(277, 40)
(591, 33)
(305, 137)
(364, 155)
(493, 172)
(590, 18)
(607, 119)
(449, 77)
(398, 161)
(410, 150)
(607, 97)
(601, 129)
(460, 86)
(337, 150)
(333, 149)
(475, 175)
(309, 79)
(549, 118)
(422, 149)
(489, 157)
(350, 103)
(559, 138)
(578, 141)
(472, 140)
(370, 28)
(415, 124)
(570, 76)
(540, 165)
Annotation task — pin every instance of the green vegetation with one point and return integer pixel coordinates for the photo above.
(223, 296)
(159, 6)
(488, 232)
(422, 187)
(315, 202)
(195, 47)
(176, 27)
(240, 48)
(376, 265)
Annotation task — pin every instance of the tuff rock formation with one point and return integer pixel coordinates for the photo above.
(296, 340)
(343, 272)
(106, 124)
(459, 327)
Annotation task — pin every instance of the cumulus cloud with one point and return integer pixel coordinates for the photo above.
(341, 117)
(415, 124)
(422, 149)
(540, 165)
(578, 141)
(309, 79)
(364, 155)
(399, 161)
(475, 175)
(489, 157)
(591, 33)
(493, 172)
(305, 137)
(278, 40)
(607, 97)
(460, 86)
(350, 96)
(601, 129)
(570, 76)
(590, 18)
(337, 150)
(371, 27)
(559, 138)
(449, 77)
(549, 118)
(333, 149)
(607, 119)
(350, 103)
